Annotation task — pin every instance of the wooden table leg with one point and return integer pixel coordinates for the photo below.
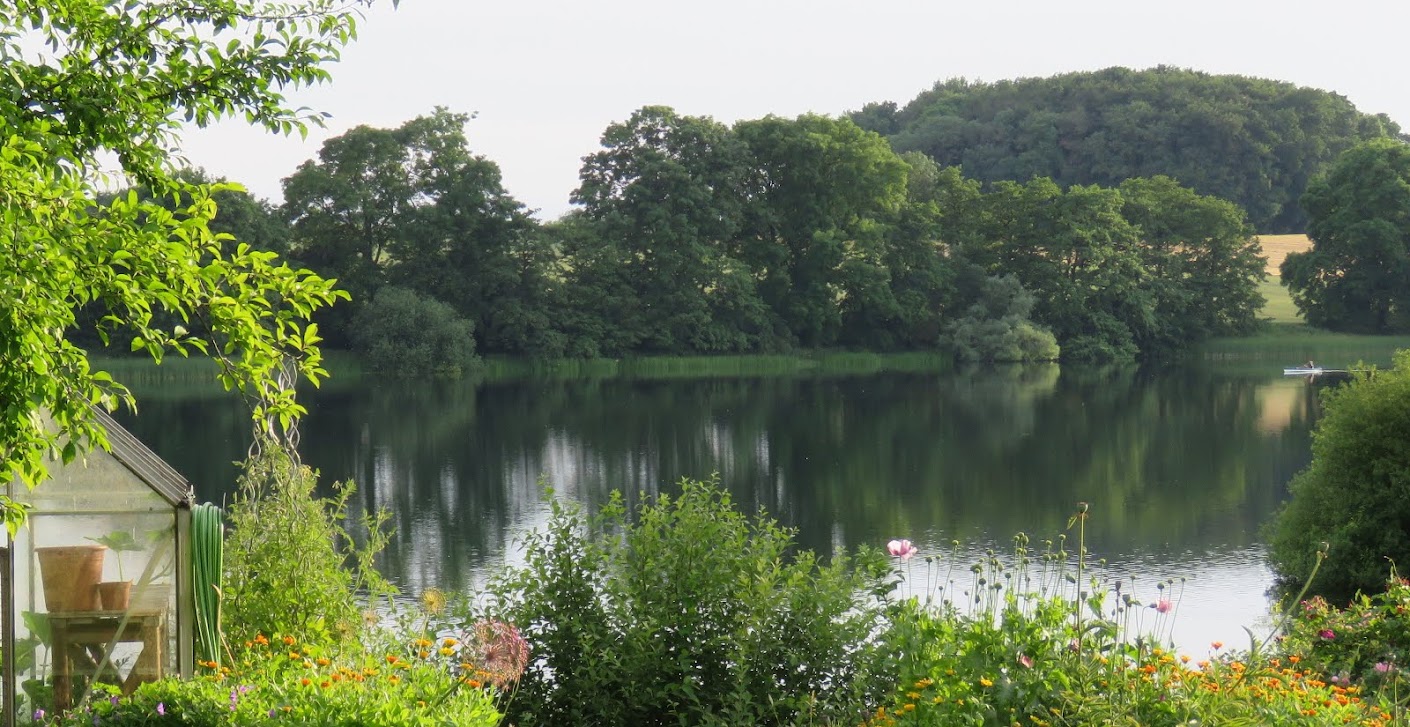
(59, 653)
(148, 667)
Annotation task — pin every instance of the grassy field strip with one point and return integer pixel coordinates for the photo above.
(1279, 305)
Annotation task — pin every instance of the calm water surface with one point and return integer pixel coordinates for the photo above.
(1181, 465)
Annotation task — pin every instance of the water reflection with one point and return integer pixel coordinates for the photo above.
(1181, 466)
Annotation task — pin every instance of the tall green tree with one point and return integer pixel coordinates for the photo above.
(1204, 262)
(1076, 253)
(818, 186)
(1356, 276)
(413, 207)
(85, 79)
(665, 195)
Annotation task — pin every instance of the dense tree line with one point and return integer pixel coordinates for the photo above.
(690, 236)
(1252, 141)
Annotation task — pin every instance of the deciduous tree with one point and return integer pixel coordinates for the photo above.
(89, 80)
(1356, 276)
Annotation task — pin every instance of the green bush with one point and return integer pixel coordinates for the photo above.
(997, 327)
(692, 614)
(290, 567)
(403, 333)
(1355, 496)
(282, 681)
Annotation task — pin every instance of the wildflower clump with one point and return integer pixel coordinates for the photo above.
(988, 652)
(281, 680)
(1365, 643)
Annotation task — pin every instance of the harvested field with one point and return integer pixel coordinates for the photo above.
(1277, 247)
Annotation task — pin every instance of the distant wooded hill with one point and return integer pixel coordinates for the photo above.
(1252, 141)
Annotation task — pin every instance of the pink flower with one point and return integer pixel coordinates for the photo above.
(1382, 667)
(1327, 634)
(1026, 661)
(1163, 606)
(161, 708)
(902, 549)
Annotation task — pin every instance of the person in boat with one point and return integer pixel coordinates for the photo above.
(1310, 364)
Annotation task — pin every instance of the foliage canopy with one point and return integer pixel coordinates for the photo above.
(87, 81)
(1251, 141)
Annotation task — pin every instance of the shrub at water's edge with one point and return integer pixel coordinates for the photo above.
(1355, 496)
(689, 613)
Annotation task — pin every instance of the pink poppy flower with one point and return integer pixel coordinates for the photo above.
(902, 549)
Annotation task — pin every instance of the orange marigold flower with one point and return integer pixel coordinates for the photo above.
(1294, 658)
(323, 661)
(394, 679)
(391, 658)
(261, 640)
(288, 641)
(423, 654)
(305, 681)
(325, 684)
(1217, 645)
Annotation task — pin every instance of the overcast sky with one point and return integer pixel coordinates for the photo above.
(547, 76)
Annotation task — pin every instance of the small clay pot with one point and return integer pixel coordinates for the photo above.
(115, 595)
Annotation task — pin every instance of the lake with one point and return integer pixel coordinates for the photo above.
(1181, 465)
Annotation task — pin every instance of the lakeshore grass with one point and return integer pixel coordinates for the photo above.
(705, 367)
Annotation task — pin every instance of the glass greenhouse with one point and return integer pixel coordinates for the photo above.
(96, 586)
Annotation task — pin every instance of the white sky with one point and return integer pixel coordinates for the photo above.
(547, 76)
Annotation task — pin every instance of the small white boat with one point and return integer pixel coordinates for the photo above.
(1303, 371)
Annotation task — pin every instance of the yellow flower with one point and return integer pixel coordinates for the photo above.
(447, 651)
(449, 641)
(394, 679)
(985, 682)
(433, 600)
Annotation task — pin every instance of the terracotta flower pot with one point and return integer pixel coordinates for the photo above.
(115, 595)
(71, 574)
